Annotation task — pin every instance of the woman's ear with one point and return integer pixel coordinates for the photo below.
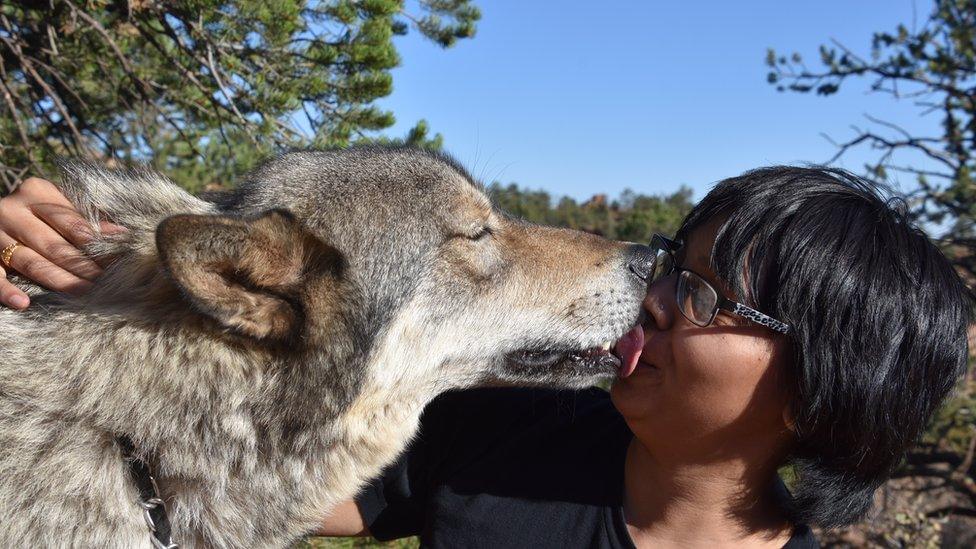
(789, 419)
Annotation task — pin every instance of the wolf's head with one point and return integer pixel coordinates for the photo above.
(383, 265)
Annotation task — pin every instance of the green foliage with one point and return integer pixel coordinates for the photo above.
(202, 89)
(954, 426)
(416, 137)
(355, 543)
(630, 217)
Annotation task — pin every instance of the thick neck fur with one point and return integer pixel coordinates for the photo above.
(251, 444)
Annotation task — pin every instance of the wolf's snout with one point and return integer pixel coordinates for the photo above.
(641, 262)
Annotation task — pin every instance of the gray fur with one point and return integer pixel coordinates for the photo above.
(255, 438)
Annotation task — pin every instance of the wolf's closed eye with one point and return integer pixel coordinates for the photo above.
(481, 233)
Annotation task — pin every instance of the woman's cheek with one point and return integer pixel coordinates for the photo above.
(720, 377)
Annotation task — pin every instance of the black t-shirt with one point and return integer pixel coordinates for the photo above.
(500, 468)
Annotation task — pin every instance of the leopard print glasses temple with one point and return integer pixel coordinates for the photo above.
(701, 292)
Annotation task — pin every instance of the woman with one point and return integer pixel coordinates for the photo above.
(795, 323)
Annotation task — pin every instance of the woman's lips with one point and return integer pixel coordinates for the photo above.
(628, 350)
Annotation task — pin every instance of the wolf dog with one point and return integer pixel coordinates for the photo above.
(267, 352)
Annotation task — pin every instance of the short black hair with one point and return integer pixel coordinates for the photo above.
(879, 320)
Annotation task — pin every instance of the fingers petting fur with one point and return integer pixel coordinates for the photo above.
(246, 274)
(136, 198)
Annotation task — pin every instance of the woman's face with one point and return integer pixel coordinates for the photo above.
(708, 389)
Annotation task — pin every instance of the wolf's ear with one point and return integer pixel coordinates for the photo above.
(244, 273)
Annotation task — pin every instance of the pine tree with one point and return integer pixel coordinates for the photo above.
(201, 88)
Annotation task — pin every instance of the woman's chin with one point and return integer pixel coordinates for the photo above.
(634, 394)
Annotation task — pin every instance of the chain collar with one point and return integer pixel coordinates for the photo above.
(150, 500)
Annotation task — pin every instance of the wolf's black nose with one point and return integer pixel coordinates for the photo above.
(641, 262)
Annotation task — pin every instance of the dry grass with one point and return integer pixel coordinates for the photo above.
(350, 543)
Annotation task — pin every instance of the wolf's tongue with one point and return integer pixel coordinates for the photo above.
(628, 350)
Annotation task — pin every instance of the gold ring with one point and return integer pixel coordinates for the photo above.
(8, 252)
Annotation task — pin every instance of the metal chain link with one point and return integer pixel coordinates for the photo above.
(149, 505)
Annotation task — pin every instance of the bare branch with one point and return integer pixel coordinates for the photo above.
(230, 100)
(917, 171)
(111, 43)
(16, 115)
(877, 140)
(52, 95)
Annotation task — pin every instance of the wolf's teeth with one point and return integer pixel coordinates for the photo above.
(605, 346)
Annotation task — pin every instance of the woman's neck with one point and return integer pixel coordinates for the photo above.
(670, 501)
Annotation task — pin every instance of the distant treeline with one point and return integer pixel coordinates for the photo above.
(630, 216)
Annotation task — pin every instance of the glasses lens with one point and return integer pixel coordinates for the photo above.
(696, 298)
(663, 263)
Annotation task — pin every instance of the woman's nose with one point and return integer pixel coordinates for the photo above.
(659, 303)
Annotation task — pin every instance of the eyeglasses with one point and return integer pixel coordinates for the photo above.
(698, 300)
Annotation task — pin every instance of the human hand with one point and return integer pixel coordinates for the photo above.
(49, 233)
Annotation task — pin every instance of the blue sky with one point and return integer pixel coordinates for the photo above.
(593, 97)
